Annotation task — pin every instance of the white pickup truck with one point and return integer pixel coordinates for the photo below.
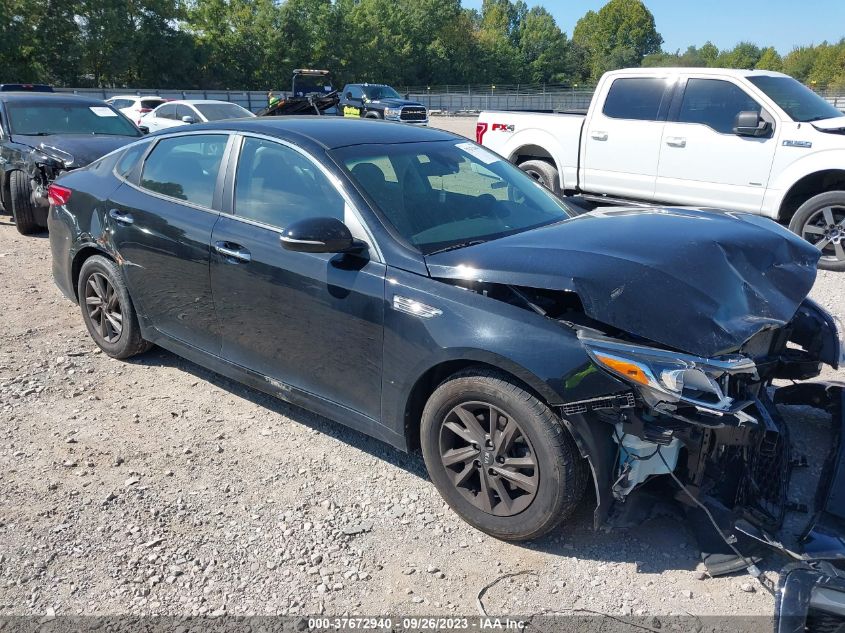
(754, 141)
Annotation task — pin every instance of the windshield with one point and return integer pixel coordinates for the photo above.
(45, 119)
(374, 93)
(446, 194)
(796, 99)
(220, 111)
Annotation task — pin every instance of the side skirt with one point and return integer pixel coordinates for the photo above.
(287, 393)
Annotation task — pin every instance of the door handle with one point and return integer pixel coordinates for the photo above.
(234, 251)
(676, 141)
(598, 136)
(121, 218)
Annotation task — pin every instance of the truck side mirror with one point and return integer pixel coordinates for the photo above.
(349, 95)
(750, 123)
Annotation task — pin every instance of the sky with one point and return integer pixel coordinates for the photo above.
(783, 24)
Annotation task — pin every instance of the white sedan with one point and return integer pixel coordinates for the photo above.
(176, 113)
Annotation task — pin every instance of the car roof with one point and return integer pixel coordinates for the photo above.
(53, 97)
(199, 101)
(331, 132)
(135, 97)
(729, 72)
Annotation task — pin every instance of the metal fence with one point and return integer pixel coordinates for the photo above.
(253, 100)
(446, 99)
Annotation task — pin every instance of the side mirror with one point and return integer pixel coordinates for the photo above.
(188, 119)
(349, 95)
(144, 129)
(750, 123)
(320, 235)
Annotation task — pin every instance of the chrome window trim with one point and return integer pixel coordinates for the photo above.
(351, 212)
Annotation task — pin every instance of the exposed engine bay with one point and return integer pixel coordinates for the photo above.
(43, 165)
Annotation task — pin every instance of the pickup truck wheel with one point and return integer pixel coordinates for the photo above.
(499, 456)
(542, 172)
(23, 211)
(374, 115)
(821, 221)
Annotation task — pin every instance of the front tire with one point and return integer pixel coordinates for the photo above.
(499, 456)
(544, 173)
(821, 221)
(23, 211)
(107, 309)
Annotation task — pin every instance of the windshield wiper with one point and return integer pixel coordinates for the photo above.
(454, 247)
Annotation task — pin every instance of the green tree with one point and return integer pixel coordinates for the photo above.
(743, 55)
(800, 61)
(620, 34)
(829, 65)
(770, 60)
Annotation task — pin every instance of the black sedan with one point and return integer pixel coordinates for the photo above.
(411, 284)
(42, 135)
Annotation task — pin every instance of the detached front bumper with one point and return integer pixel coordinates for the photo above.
(811, 595)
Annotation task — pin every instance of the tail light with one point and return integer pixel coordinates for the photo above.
(145, 110)
(480, 129)
(58, 195)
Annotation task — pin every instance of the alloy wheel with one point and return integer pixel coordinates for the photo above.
(489, 459)
(825, 230)
(103, 306)
(536, 175)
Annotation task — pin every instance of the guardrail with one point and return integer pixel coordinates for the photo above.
(252, 100)
(446, 99)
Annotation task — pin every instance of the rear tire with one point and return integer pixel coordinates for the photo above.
(107, 309)
(821, 221)
(544, 173)
(23, 211)
(516, 479)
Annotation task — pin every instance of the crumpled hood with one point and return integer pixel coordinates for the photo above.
(703, 282)
(85, 148)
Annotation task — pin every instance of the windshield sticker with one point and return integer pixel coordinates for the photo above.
(101, 111)
(479, 152)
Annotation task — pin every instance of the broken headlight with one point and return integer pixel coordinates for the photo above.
(664, 376)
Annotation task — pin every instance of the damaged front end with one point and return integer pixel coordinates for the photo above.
(43, 165)
(714, 428)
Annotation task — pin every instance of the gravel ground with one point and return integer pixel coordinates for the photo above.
(155, 486)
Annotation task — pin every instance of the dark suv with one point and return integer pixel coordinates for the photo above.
(378, 101)
(45, 134)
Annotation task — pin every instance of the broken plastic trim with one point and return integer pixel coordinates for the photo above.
(661, 375)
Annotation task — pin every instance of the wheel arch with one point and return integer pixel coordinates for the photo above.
(808, 186)
(80, 257)
(533, 144)
(431, 378)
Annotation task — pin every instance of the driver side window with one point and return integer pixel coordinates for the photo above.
(714, 103)
(277, 185)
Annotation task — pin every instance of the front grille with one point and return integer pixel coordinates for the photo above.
(824, 622)
(413, 113)
(765, 483)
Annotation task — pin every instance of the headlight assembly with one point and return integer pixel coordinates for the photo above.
(664, 376)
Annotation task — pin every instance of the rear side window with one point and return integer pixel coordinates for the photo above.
(714, 103)
(185, 167)
(151, 103)
(636, 98)
(277, 185)
(130, 159)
